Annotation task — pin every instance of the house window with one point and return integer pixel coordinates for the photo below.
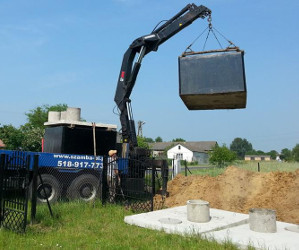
(179, 147)
(252, 158)
(262, 158)
(179, 156)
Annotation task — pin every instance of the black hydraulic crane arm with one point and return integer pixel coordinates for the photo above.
(140, 47)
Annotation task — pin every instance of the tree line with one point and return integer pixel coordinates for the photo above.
(222, 155)
(29, 136)
(243, 147)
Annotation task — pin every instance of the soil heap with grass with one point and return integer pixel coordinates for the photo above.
(238, 190)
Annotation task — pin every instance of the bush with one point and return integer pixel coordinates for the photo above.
(222, 156)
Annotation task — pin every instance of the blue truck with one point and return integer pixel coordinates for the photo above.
(71, 176)
(71, 163)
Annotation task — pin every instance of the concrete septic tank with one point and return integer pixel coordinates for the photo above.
(63, 115)
(53, 116)
(262, 220)
(198, 211)
(73, 114)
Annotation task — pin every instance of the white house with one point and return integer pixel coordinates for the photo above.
(180, 152)
(189, 151)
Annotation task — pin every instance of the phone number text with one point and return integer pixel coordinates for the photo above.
(77, 164)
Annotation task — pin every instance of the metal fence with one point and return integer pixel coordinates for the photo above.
(131, 182)
(57, 184)
(134, 182)
(24, 176)
(14, 183)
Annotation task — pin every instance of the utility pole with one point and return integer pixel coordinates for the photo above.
(140, 123)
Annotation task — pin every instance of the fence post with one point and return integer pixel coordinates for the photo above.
(34, 188)
(153, 185)
(185, 168)
(2, 160)
(258, 167)
(104, 180)
(164, 177)
(172, 175)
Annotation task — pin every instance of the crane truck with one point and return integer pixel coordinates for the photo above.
(76, 166)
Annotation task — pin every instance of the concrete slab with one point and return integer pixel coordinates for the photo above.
(158, 220)
(243, 236)
(224, 225)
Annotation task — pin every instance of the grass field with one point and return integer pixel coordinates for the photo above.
(94, 226)
(264, 166)
(269, 166)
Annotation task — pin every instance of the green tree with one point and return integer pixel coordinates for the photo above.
(273, 154)
(142, 143)
(178, 140)
(221, 156)
(295, 152)
(252, 152)
(33, 130)
(260, 152)
(38, 116)
(158, 139)
(286, 154)
(256, 152)
(148, 139)
(240, 147)
(31, 138)
(11, 136)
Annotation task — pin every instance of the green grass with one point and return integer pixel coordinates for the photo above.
(211, 171)
(88, 226)
(269, 166)
(248, 165)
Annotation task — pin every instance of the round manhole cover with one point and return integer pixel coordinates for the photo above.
(170, 221)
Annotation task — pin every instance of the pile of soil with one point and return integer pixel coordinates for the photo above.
(238, 190)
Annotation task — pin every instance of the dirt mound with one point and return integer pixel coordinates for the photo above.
(239, 190)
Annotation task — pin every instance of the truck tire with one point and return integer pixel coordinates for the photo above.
(50, 189)
(85, 187)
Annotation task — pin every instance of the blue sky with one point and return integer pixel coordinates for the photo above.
(71, 51)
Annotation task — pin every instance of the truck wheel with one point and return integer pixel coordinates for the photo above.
(50, 189)
(85, 187)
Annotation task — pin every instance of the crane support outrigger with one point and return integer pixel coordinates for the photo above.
(139, 48)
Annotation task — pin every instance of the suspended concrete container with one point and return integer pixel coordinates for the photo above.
(213, 79)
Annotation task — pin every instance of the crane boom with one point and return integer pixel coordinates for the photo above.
(139, 48)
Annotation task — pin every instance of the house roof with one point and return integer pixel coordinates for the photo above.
(196, 146)
(2, 145)
(160, 146)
